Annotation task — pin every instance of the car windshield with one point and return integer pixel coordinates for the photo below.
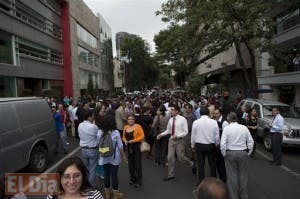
(285, 111)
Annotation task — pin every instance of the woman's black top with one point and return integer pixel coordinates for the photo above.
(133, 146)
(252, 122)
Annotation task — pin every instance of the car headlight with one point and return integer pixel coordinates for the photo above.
(287, 131)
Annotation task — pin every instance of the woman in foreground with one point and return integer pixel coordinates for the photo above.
(73, 182)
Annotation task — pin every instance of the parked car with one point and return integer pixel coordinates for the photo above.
(27, 134)
(291, 131)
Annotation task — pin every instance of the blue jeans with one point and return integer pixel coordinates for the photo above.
(111, 172)
(61, 137)
(90, 160)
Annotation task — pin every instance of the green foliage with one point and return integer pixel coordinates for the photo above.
(195, 82)
(169, 44)
(171, 47)
(208, 28)
(142, 67)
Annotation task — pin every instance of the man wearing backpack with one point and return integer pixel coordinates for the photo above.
(110, 153)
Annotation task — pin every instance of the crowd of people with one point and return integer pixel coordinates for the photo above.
(177, 128)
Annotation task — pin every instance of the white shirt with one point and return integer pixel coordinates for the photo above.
(205, 131)
(236, 137)
(296, 60)
(277, 124)
(70, 108)
(181, 127)
(225, 123)
(74, 116)
(192, 102)
(88, 134)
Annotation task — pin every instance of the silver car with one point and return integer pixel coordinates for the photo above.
(291, 131)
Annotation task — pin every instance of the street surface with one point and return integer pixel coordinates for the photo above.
(265, 181)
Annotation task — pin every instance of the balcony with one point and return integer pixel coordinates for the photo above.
(288, 29)
(280, 79)
(288, 23)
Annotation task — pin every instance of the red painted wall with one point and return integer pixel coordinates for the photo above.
(65, 20)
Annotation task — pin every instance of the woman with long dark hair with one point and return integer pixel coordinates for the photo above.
(111, 163)
(74, 181)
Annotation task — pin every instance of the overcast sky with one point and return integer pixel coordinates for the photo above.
(132, 16)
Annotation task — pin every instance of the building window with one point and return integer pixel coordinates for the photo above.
(86, 37)
(31, 49)
(30, 16)
(7, 86)
(88, 57)
(85, 76)
(5, 5)
(5, 48)
(53, 5)
(45, 84)
(56, 57)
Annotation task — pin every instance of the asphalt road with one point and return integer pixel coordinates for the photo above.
(265, 181)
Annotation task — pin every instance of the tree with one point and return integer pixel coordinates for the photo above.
(170, 48)
(141, 66)
(212, 27)
(164, 77)
(195, 83)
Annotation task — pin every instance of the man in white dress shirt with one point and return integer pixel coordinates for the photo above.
(276, 126)
(204, 139)
(178, 129)
(89, 140)
(236, 147)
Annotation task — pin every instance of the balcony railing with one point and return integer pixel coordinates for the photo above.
(29, 16)
(288, 21)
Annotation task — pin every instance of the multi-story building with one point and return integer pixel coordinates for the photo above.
(84, 47)
(124, 67)
(106, 57)
(120, 37)
(118, 75)
(279, 77)
(223, 71)
(52, 48)
(31, 48)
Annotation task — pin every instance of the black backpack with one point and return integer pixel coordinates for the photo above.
(106, 148)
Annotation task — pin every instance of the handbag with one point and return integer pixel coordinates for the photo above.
(144, 147)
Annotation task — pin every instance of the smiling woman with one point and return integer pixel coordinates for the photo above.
(74, 182)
